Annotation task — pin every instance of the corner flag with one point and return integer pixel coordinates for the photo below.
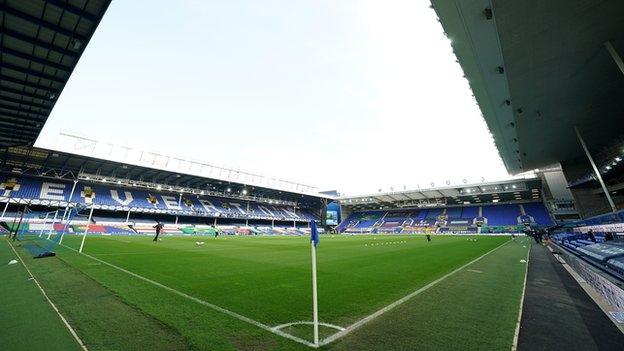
(314, 240)
(314, 237)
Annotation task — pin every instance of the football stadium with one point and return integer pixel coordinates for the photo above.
(110, 247)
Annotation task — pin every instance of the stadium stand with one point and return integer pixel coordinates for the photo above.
(123, 210)
(458, 219)
(47, 191)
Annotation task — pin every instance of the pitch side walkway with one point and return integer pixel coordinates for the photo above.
(558, 314)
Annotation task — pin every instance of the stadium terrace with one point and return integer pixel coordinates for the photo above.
(105, 247)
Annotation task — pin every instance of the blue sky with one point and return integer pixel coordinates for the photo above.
(367, 90)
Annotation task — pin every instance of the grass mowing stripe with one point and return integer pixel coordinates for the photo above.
(69, 327)
(514, 346)
(466, 311)
(391, 306)
(267, 279)
(202, 302)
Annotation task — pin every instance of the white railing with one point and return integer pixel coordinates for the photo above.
(76, 144)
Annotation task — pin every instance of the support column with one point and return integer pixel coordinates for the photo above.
(71, 194)
(44, 222)
(615, 56)
(591, 160)
(128, 217)
(86, 229)
(19, 224)
(53, 221)
(6, 206)
(295, 212)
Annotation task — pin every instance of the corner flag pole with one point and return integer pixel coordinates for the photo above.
(314, 239)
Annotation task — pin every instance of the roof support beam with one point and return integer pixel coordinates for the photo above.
(13, 137)
(591, 160)
(615, 56)
(21, 117)
(26, 103)
(40, 43)
(10, 121)
(32, 72)
(23, 93)
(10, 127)
(73, 9)
(34, 20)
(28, 84)
(21, 110)
(39, 60)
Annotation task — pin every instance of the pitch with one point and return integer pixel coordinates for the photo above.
(255, 292)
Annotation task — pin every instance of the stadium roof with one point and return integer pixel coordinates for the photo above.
(41, 42)
(481, 193)
(539, 68)
(51, 163)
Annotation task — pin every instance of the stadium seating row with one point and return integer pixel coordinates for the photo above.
(105, 197)
(492, 218)
(607, 254)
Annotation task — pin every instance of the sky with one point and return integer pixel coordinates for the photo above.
(353, 95)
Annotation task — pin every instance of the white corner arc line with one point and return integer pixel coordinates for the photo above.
(282, 326)
(69, 327)
(514, 345)
(400, 301)
(202, 302)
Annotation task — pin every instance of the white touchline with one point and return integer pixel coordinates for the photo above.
(514, 345)
(71, 330)
(400, 301)
(201, 302)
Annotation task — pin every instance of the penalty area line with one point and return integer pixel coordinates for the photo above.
(400, 301)
(202, 302)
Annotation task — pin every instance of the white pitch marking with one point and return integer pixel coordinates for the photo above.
(474, 271)
(400, 301)
(282, 326)
(71, 330)
(202, 302)
(514, 345)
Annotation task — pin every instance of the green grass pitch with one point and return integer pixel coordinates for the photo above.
(267, 280)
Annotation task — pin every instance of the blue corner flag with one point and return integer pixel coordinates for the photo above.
(314, 237)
